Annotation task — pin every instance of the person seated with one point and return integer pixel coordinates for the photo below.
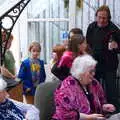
(8, 69)
(80, 96)
(14, 110)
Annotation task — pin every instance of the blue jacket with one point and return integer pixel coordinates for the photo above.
(26, 76)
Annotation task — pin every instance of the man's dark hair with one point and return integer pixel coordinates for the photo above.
(104, 8)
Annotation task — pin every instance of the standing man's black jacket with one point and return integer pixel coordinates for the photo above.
(98, 38)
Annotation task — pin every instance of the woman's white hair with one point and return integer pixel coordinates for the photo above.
(80, 65)
(3, 84)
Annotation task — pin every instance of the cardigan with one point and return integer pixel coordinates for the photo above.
(26, 76)
(70, 99)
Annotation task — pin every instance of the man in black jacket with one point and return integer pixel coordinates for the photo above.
(103, 36)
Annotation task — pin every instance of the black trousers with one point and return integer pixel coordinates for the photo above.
(109, 82)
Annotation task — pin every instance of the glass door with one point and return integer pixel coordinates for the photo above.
(47, 23)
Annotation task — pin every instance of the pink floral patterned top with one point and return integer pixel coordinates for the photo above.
(70, 99)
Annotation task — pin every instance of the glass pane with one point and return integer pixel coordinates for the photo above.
(48, 34)
(47, 9)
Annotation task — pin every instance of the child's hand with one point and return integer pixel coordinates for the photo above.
(28, 90)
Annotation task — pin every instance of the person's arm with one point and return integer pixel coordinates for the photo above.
(116, 37)
(22, 71)
(61, 69)
(84, 116)
(65, 99)
(30, 111)
(5, 72)
(101, 93)
(60, 72)
(42, 72)
(89, 35)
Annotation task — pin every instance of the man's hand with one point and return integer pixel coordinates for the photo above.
(108, 108)
(113, 45)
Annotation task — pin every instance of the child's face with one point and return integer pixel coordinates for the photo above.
(35, 52)
(54, 56)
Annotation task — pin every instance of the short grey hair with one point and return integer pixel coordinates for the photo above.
(3, 84)
(80, 65)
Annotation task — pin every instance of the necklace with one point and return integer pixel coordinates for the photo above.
(85, 90)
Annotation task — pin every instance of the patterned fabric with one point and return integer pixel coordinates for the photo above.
(71, 100)
(8, 111)
(29, 110)
(35, 70)
(26, 75)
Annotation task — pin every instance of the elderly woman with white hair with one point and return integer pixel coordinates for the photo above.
(14, 110)
(80, 96)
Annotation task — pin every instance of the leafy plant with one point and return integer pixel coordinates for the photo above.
(78, 3)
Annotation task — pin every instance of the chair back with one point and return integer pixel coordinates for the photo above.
(44, 99)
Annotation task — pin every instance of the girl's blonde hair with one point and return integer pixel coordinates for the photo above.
(34, 44)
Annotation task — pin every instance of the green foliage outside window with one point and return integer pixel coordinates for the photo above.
(78, 3)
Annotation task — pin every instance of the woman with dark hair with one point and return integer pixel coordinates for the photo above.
(76, 46)
(74, 31)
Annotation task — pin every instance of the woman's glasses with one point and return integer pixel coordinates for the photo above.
(92, 71)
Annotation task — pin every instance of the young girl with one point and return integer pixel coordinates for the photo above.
(32, 73)
(57, 53)
(76, 46)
